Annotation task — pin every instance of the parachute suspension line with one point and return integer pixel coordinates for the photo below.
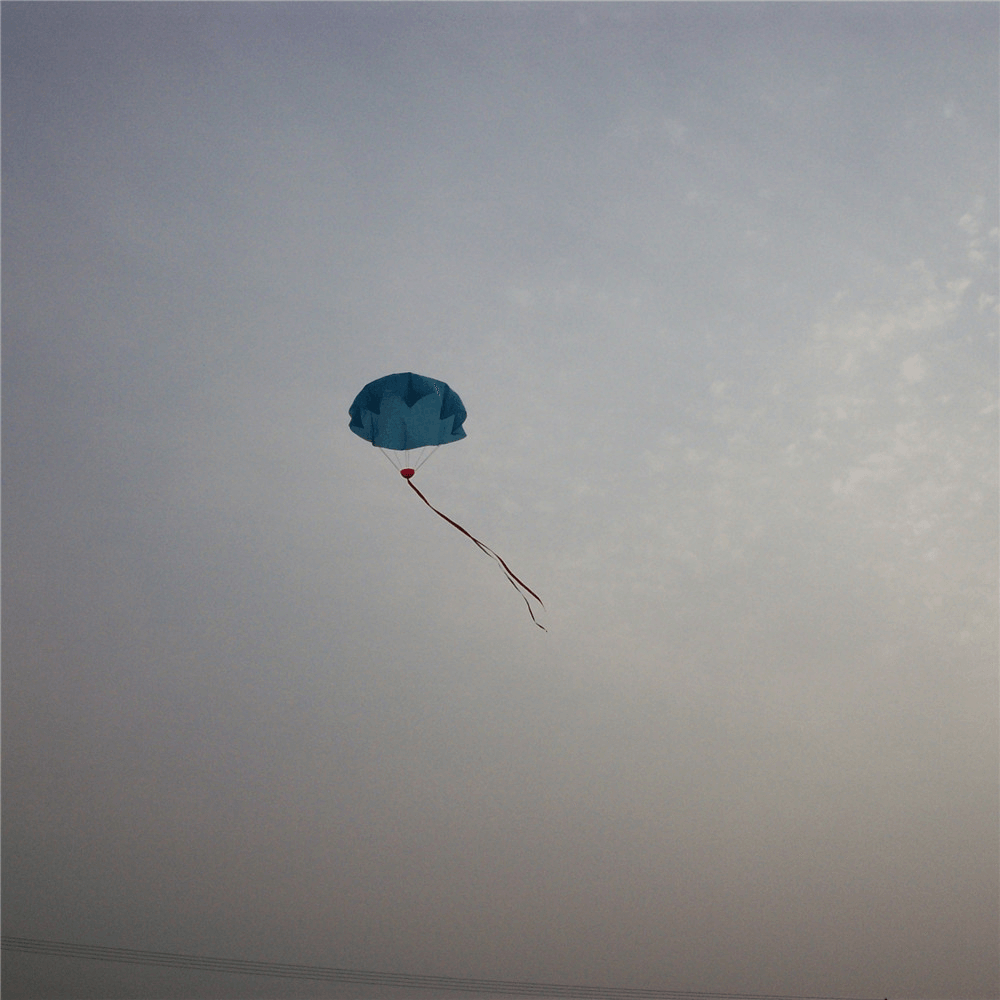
(388, 459)
(427, 456)
(410, 459)
(519, 585)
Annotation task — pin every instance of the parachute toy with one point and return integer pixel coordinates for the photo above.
(409, 417)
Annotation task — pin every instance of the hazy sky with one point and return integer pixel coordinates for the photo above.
(718, 287)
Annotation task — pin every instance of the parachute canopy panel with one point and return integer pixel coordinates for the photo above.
(405, 411)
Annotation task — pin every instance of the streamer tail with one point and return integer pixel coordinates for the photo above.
(515, 581)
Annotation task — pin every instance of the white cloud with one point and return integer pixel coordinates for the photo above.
(914, 369)
(968, 224)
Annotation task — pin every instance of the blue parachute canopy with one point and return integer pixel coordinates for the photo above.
(407, 411)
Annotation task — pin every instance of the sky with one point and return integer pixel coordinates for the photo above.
(717, 285)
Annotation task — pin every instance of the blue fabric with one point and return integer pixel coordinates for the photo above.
(406, 411)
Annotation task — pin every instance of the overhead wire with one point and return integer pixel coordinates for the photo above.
(284, 970)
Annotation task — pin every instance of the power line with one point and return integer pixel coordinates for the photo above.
(175, 960)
